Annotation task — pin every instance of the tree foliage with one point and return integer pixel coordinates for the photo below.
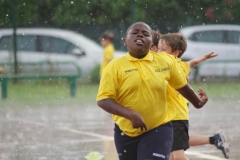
(63, 13)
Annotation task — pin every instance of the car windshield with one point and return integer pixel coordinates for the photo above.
(83, 42)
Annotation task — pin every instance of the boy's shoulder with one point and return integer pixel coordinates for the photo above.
(184, 63)
(119, 59)
(164, 56)
(184, 66)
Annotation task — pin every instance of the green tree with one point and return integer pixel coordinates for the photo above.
(65, 13)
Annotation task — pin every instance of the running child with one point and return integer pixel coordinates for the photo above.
(175, 44)
(133, 89)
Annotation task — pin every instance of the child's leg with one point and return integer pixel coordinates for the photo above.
(178, 155)
(196, 140)
(217, 139)
(126, 146)
(156, 144)
(180, 140)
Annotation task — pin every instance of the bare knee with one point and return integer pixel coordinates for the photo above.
(178, 155)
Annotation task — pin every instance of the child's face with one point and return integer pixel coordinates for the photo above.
(138, 40)
(163, 47)
(105, 42)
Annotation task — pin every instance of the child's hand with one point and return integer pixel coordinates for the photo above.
(210, 55)
(137, 121)
(202, 95)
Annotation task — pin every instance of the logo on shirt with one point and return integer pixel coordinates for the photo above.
(162, 69)
(131, 70)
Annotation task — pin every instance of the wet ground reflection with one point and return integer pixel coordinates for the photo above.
(72, 132)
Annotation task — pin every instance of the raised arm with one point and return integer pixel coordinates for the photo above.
(195, 62)
(189, 94)
(110, 106)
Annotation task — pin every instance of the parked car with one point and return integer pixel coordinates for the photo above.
(54, 48)
(221, 39)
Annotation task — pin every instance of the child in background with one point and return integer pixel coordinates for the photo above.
(156, 36)
(133, 89)
(175, 44)
(108, 54)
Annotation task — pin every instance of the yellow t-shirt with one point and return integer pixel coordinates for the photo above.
(108, 55)
(175, 100)
(141, 85)
(186, 70)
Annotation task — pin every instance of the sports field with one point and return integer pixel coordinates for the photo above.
(51, 125)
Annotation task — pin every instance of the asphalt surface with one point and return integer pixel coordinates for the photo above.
(76, 131)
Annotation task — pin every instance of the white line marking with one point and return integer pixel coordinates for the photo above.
(86, 133)
(197, 154)
(64, 128)
(205, 156)
(82, 140)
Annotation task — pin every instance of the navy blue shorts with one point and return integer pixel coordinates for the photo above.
(155, 144)
(180, 135)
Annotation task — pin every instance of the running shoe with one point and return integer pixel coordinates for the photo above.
(221, 144)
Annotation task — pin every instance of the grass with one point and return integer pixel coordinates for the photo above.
(40, 93)
(218, 90)
(37, 93)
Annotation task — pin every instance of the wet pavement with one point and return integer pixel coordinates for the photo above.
(72, 132)
(217, 115)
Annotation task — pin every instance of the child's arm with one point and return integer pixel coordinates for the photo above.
(110, 106)
(189, 94)
(195, 62)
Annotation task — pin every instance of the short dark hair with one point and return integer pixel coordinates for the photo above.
(140, 22)
(107, 35)
(156, 37)
(176, 41)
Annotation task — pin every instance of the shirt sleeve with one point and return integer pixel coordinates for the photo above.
(177, 77)
(185, 67)
(108, 83)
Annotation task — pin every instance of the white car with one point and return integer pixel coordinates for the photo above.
(54, 50)
(221, 39)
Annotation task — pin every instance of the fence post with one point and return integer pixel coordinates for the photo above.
(195, 73)
(4, 88)
(72, 81)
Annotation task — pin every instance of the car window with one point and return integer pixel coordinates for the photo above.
(5, 43)
(56, 45)
(24, 43)
(208, 36)
(40, 43)
(233, 37)
(71, 48)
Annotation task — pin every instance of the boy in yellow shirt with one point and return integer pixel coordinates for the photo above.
(133, 88)
(108, 54)
(175, 44)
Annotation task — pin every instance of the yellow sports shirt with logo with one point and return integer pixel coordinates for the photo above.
(107, 55)
(175, 99)
(141, 85)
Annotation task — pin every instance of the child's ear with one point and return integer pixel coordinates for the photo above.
(151, 46)
(176, 53)
(154, 48)
(124, 42)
